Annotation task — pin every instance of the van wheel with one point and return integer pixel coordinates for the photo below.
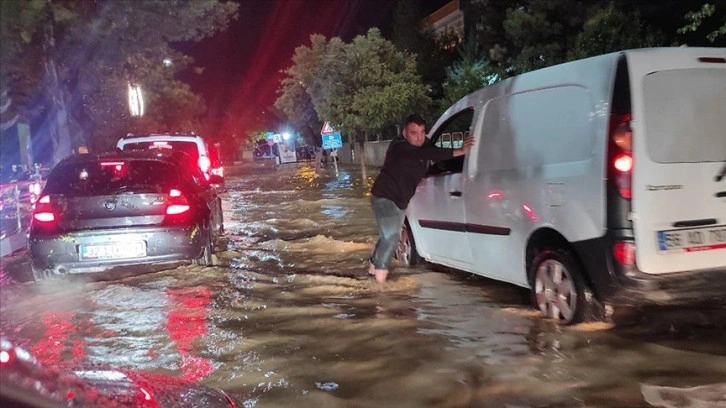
(406, 249)
(558, 289)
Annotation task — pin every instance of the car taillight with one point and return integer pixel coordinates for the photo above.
(44, 213)
(620, 166)
(204, 163)
(624, 253)
(178, 203)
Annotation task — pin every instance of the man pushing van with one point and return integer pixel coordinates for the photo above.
(404, 166)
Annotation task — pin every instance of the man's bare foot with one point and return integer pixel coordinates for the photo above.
(372, 270)
(381, 275)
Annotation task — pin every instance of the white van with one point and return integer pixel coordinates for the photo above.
(596, 183)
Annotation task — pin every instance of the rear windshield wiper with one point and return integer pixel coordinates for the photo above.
(721, 173)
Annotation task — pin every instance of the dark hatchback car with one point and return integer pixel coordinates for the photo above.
(130, 208)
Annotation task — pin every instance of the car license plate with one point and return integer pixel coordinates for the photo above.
(117, 250)
(692, 240)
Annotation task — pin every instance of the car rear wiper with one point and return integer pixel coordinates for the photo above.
(721, 173)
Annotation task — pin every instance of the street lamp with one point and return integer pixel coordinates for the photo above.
(136, 100)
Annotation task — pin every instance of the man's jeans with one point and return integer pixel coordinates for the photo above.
(389, 219)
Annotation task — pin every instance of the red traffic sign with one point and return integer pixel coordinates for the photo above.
(327, 129)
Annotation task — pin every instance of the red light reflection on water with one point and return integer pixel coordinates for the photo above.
(59, 330)
(186, 322)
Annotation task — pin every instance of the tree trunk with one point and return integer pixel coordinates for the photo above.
(59, 125)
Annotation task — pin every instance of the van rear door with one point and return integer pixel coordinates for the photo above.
(679, 148)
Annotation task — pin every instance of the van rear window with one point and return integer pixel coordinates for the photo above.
(685, 115)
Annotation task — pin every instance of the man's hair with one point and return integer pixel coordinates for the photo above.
(414, 118)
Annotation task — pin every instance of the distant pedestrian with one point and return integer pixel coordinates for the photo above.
(404, 166)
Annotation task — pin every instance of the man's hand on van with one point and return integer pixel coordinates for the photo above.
(465, 147)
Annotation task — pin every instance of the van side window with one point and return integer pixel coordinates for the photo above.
(451, 136)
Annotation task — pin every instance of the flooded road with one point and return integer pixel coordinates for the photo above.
(288, 317)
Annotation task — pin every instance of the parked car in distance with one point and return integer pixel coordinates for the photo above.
(204, 155)
(597, 183)
(25, 382)
(126, 208)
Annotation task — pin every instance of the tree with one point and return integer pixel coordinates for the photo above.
(469, 73)
(91, 50)
(542, 32)
(434, 55)
(611, 29)
(359, 87)
(484, 20)
(698, 18)
(378, 86)
(301, 81)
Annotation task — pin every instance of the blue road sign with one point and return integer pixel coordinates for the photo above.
(332, 141)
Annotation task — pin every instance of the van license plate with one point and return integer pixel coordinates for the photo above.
(692, 240)
(134, 249)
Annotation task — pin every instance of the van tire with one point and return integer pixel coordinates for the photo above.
(558, 289)
(406, 252)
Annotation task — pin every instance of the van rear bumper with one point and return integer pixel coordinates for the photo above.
(628, 286)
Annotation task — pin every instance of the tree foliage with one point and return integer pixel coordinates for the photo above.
(435, 53)
(360, 87)
(467, 74)
(92, 50)
(522, 35)
(542, 32)
(612, 29)
(696, 19)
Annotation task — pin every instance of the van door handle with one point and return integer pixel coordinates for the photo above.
(455, 193)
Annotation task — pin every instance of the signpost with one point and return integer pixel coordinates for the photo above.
(331, 140)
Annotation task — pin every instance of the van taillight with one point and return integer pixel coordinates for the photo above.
(620, 166)
(178, 203)
(44, 213)
(624, 253)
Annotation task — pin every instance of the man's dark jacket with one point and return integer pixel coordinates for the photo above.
(404, 166)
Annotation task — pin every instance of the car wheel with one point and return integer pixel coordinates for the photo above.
(41, 274)
(559, 290)
(220, 227)
(406, 249)
(206, 258)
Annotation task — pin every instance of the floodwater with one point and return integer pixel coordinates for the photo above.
(288, 317)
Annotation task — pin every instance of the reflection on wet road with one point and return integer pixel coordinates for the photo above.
(289, 317)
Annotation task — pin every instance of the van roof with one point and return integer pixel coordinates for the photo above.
(582, 70)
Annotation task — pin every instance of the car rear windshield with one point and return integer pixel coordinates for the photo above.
(189, 148)
(111, 177)
(685, 115)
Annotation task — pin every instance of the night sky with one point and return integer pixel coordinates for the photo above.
(242, 65)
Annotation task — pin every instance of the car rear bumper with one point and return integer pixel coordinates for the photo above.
(62, 252)
(627, 285)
